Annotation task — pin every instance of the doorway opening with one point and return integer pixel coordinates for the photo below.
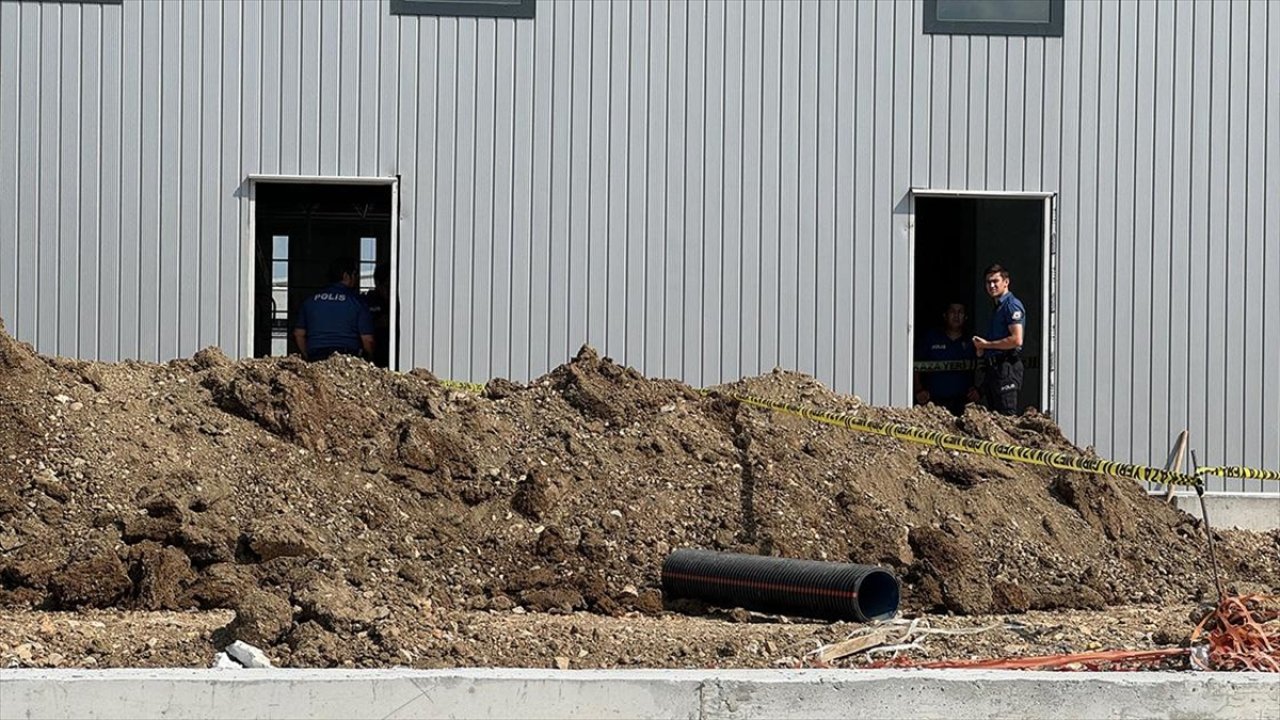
(300, 229)
(957, 236)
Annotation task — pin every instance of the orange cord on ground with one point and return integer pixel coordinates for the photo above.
(1243, 633)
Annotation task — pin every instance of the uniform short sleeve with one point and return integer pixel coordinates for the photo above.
(1017, 315)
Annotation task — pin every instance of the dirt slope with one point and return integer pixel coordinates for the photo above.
(341, 510)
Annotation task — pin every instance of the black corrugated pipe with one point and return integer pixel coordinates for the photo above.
(804, 588)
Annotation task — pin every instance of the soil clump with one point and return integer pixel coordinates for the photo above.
(344, 512)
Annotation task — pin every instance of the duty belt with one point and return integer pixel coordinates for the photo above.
(1003, 357)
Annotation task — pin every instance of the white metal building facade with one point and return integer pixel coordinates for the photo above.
(701, 190)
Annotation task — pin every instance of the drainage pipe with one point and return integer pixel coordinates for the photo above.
(804, 588)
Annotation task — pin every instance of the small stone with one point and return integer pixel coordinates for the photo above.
(518, 610)
(248, 655)
(56, 659)
(63, 399)
(89, 661)
(223, 661)
(562, 662)
(24, 652)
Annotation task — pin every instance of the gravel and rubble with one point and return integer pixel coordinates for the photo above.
(335, 514)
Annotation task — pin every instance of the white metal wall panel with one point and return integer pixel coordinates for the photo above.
(1269, 317)
(10, 57)
(1140, 400)
(702, 190)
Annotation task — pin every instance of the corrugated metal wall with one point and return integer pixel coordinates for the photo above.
(702, 190)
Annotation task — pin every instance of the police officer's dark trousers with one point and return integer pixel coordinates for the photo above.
(1003, 383)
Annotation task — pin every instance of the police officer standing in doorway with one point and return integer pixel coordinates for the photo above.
(1003, 349)
(335, 321)
(951, 387)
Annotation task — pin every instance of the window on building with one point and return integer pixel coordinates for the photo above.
(464, 8)
(993, 17)
(368, 262)
(279, 295)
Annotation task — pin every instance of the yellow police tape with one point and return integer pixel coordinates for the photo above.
(458, 385)
(1235, 471)
(975, 446)
(959, 443)
(1030, 362)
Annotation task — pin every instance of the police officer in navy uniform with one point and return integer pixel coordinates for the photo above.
(1002, 350)
(378, 300)
(951, 388)
(335, 320)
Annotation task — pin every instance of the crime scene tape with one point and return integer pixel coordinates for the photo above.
(943, 365)
(1235, 471)
(959, 443)
(1030, 362)
(459, 385)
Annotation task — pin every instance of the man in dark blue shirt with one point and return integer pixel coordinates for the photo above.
(378, 300)
(1002, 349)
(953, 387)
(335, 320)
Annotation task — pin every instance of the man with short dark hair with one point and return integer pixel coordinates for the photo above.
(951, 387)
(335, 321)
(1003, 349)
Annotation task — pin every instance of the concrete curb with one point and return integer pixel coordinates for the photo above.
(695, 694)
(1255, 511)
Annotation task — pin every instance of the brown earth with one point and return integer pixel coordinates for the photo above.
(120, 638)
(345, 514)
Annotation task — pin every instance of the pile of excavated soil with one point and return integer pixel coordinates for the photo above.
(341, 511)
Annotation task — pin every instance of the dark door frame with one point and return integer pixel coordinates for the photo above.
(249, 239)
(1049, 285)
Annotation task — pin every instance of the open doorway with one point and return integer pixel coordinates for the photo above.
(957, 236)
(300, 228)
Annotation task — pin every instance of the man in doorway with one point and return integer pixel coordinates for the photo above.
(335, 321)
(378, 300)
(953, 387)
(1002, 350)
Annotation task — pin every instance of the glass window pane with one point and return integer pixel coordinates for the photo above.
(465, 8)
(280, 247)
(1033, 11)
(368, 249)
(279, 273)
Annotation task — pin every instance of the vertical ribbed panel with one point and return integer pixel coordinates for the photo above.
(701, 190)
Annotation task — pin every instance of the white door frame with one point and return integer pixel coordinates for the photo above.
(249, 237)
(1048, 290)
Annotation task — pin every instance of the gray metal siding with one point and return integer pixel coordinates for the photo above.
(701, 190)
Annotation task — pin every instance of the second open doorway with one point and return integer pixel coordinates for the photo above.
(300, 228)
(957, 236)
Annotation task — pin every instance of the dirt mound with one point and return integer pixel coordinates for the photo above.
(342, 511)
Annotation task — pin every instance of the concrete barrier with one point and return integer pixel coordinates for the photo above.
(698, 694)
(1244, 510)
